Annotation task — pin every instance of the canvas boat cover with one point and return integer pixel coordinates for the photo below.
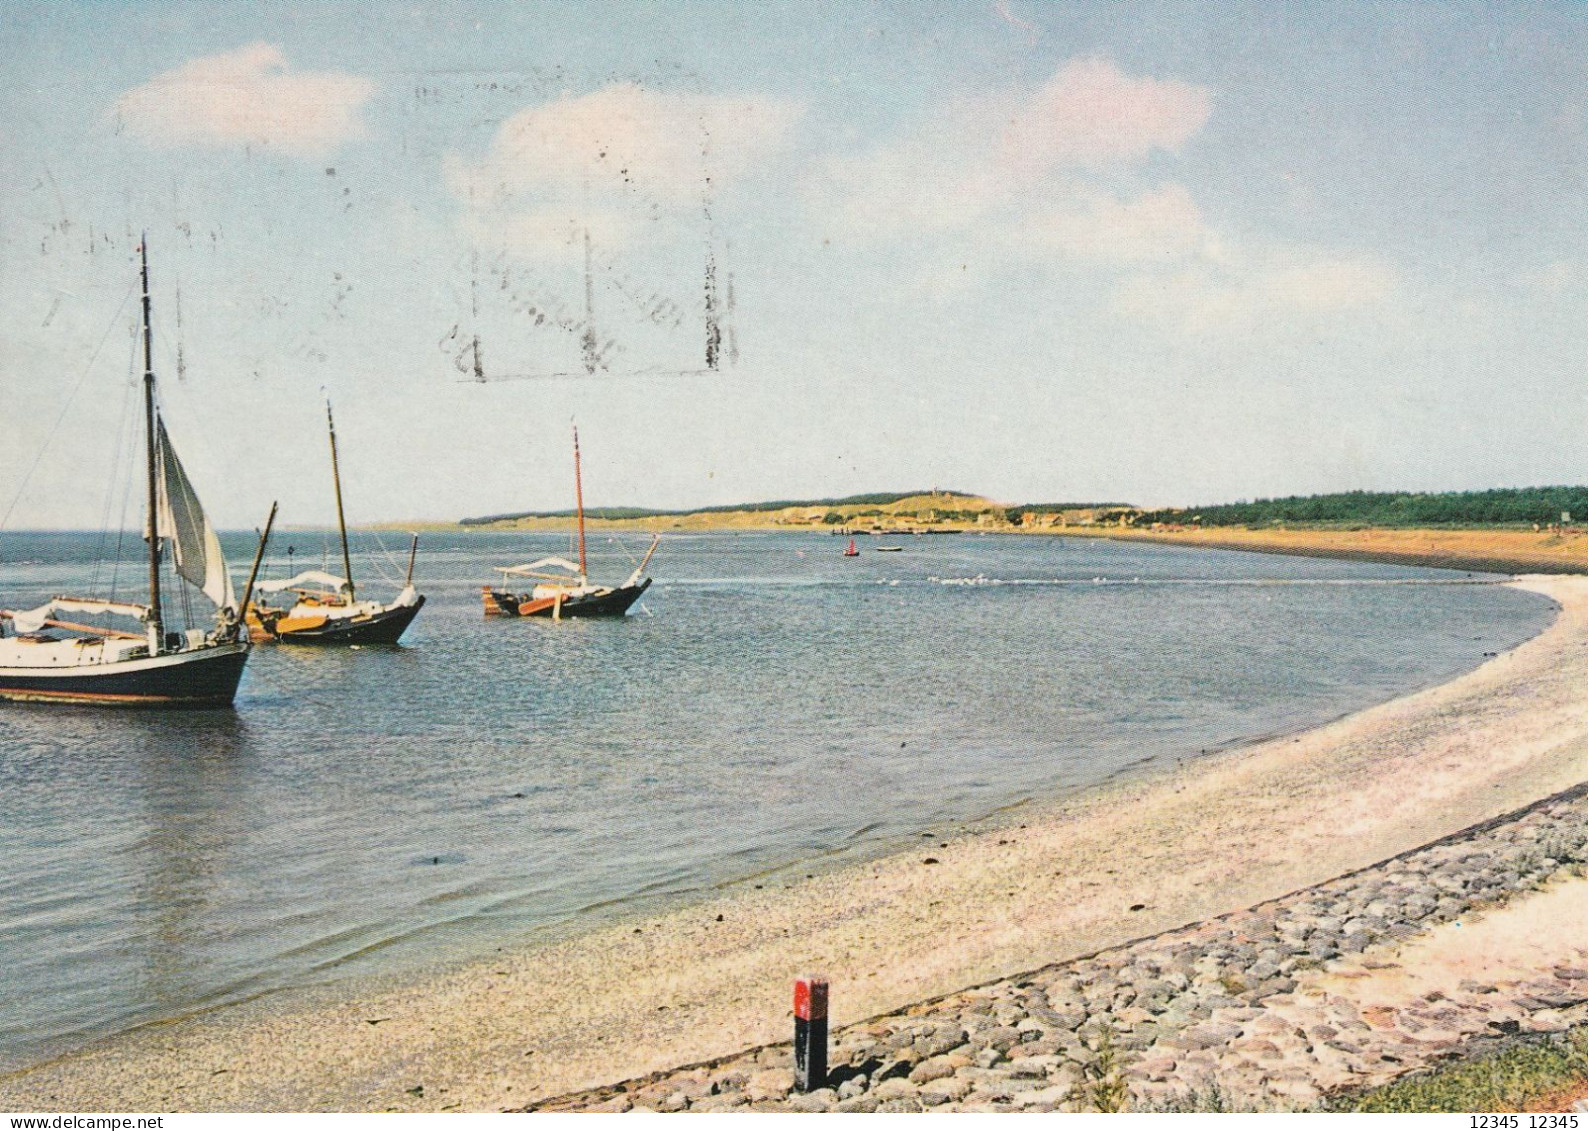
(308, 578)
(537, 568)
(32, 620)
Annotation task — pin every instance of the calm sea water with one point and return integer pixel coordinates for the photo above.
(768, 703)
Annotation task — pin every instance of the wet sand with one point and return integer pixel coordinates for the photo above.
(713, 978)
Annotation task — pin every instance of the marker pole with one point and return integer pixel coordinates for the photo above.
(810, 1033)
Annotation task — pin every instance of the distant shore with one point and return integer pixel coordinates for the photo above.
(1050, 881)
(1483, 549)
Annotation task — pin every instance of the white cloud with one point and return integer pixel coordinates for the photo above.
(1091, 113)
(611, 160)
(247, 97)
(1000, 157)
(1161, 224)
(1052, 178)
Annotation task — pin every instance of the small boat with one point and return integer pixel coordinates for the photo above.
(48, 659)
(325, 608)
(850, 551)
(890, 549)
(563, 589)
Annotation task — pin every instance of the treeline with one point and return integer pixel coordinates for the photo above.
(873, 500)
(1501, 507)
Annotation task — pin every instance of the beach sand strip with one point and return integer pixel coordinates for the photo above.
(1447, 951)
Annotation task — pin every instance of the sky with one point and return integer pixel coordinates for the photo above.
(1158, 253)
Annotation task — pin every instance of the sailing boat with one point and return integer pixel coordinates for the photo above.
(46, 658)
(850, 551)
(567, 592)
(326, 609)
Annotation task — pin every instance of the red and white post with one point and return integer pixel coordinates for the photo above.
(810, 1034)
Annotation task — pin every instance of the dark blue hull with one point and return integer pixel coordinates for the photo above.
(203, 678)
(380, 628)
(608, 603)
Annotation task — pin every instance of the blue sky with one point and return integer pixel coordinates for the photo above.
(1162, 253)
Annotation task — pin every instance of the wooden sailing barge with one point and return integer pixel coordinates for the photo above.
(325, 608)
(49, 659)
(562, 588)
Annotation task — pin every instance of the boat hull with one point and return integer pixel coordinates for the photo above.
(204, 677)
(384, 627)
(607, 603)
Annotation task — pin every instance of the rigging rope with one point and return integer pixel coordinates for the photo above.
(121, 530)
(613, 541)
(111, 479)
(39, 455)
(398, 567)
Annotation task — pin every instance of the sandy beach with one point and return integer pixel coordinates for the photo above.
(1491, 549)
(1053, 882)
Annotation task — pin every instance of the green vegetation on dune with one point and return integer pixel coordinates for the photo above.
(874, 500)
(1512, 506)
(1507, 1080)
(1107, 514)
(593, 512)
(879, 499)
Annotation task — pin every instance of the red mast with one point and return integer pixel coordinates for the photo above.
(578, 495)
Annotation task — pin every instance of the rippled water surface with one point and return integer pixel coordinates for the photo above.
(768, 702)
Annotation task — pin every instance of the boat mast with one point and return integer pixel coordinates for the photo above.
(341, 522)
(578, 496)
(253, 574)
(156, 627)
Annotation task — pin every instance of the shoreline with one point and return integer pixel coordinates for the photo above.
(359, 976)
(1043, 800)
(1496, 550)
(709, 979)
(1472, 549)
(1499, 549)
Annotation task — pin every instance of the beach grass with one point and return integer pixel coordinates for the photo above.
(1519, 1076)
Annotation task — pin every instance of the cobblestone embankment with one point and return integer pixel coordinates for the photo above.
(1247, 1011)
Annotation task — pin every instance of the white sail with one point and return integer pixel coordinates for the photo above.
(195, 550)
